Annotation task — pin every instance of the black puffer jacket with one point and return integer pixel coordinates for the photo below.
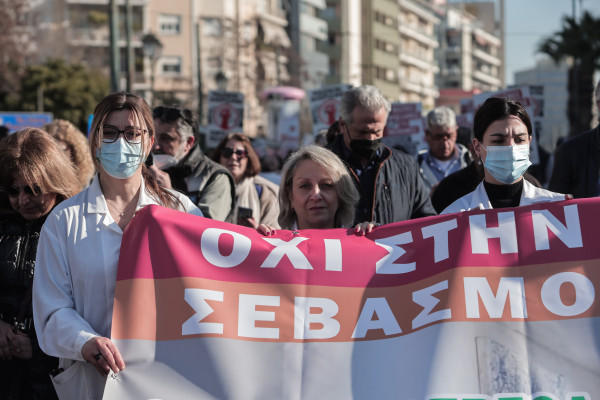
(25, 379)
(400, 193)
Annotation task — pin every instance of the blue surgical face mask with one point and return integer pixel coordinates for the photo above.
(120, 159)
(507, 163)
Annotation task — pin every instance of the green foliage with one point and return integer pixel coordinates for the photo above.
(578, 43)
(97, 18)
(70, 90)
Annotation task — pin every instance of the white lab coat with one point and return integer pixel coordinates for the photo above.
(75, 277)
(479, 198)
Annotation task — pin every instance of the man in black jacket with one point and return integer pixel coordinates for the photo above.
(179, 163)
(388, 180)
(577, 163)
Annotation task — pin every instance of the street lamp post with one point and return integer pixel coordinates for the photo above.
(152, 50)
(222, 81)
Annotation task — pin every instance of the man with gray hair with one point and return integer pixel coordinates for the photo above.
(179, 163)
(388, 180)
(444, 156)
(577, 163)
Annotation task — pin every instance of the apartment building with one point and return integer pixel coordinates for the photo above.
(344, 41)
(308, 66)
(470, 53)
(243, 40)
(554, 79)
(418, 44)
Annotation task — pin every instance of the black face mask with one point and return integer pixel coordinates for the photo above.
(364, 148)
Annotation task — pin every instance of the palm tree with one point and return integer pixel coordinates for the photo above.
(579, 45)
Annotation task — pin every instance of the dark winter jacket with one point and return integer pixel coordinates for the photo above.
(576, 165)
(399, 194)
(195, 177)
(25, 379)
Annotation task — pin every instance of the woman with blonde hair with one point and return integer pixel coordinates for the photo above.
(316, 192)
(35, 176)
(80, 244)
(75, 144)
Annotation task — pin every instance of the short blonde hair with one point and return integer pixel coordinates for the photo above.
(344, 186)
(65, 131)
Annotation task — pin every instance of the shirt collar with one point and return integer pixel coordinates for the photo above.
(96, 203)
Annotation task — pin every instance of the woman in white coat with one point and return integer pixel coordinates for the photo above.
(79, 247)
(502, 131)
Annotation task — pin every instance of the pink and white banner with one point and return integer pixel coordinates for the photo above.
(496, 304)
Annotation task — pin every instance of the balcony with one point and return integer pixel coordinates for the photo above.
(413, 33)
(407, 58)
(486, 57)
(486, 78)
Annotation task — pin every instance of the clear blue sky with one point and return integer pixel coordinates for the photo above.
(529, 21)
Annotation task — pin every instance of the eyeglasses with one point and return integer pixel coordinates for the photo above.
(228, 152)
(133, 135)
(13, 191)
(169, 114)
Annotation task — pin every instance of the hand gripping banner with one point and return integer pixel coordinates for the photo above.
(495, 304)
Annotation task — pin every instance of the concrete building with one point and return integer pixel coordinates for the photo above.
(418, 43)
(344, 41)
(244, 40)
(308, 66)
(554, 79)
(470, 53)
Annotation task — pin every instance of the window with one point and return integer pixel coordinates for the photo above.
(169, 24)
(170, 65)
(211, 27)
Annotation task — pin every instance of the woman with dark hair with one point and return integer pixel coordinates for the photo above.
(35, 175)
(256, 197)
(80, 243)
(502, 131)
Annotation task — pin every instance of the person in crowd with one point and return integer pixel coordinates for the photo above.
(179, 163)
(464, 181)
(502, 132)
(577, 163)
(316, 192)
(444, 156)
(75, 144)
(4, 131)
(256, 197)
(80, 242)
(389, 183)
(35, 176)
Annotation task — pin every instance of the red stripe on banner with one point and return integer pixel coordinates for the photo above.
(161, 243)
(186, 307)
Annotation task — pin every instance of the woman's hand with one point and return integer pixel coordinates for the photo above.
(102, 353)
(365, 227)
(266, 230)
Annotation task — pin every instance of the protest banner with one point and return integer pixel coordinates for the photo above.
(225, 114)
(325, 106)
(405, 128)
(494, 304)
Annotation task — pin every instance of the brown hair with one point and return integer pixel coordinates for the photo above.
(79, 146)
(34, 155)
(253, 167)
(127, 101)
